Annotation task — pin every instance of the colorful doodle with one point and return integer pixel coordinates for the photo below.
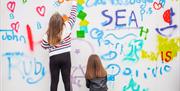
(9, 35)
(144, 31)
(30, 38)
(84, 22)
(118, 16)
(168, 53)
(136, 46)
(133, 86)
(30, 69)
(77, 75)
(135, 39)
(167, 16)
(165, 50)
(11, 6)
(96, 3)
(24, 1)
(41, 10)
(151, 56)
(115, 71)
(157, 6)
(15, 26)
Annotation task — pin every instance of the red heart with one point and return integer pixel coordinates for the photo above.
(11, 5)
(157, 6)
(41, 10)
(15, 26)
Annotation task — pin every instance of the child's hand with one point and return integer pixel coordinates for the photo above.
(60, 1)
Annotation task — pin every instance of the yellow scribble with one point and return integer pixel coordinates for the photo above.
(152, 56)
(165, 44)
(175, 0)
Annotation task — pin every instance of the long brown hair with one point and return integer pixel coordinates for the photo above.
(55, 29)
(94, 67)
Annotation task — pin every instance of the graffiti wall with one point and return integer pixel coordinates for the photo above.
(138, 42)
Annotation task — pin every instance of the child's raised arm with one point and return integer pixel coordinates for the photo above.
(73, 12)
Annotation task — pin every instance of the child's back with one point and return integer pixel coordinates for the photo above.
(97, 84)
(96, 75)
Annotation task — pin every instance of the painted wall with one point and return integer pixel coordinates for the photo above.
(138, 42)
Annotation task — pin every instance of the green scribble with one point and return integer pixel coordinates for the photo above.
(80, 34)
(145, 31)
(24, 1)
(81, 15)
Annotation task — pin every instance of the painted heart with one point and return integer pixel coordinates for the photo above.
(11, 5)
(41, 10)
(15, 26)
(157, 6)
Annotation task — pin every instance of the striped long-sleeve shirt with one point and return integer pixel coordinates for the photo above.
(65, 44)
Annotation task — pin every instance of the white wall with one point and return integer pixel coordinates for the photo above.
(126, 55)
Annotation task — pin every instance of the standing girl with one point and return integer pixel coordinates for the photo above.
(58, 40)
(96, 75)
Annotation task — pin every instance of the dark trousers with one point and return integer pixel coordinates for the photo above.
(60, 62)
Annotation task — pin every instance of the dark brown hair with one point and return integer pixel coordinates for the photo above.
(94, 67)
(55, 29)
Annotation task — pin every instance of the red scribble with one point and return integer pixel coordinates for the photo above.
(157, 6)
(41, 10)
(15, 26)
(30, 38)
(11, 5)
(167, 16)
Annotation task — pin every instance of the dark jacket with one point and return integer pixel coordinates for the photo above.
(97, 84)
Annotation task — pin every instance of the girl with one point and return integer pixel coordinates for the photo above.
(58, 40)
(96, 75)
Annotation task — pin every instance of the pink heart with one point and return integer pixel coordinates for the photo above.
(157, 6)
(11, 5)
(41, 10)
(15, 26)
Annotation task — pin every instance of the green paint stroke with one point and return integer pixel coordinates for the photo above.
(24, 1)
(166, 44)
(80, 34)
(145, 31)
(81, 15)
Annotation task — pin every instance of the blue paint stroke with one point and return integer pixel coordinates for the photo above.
(31, 70)
(111, 76)
(109, 56)
(127, 71)
(136, 46)
(10, 36)
(95, 33)
(120, 38)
